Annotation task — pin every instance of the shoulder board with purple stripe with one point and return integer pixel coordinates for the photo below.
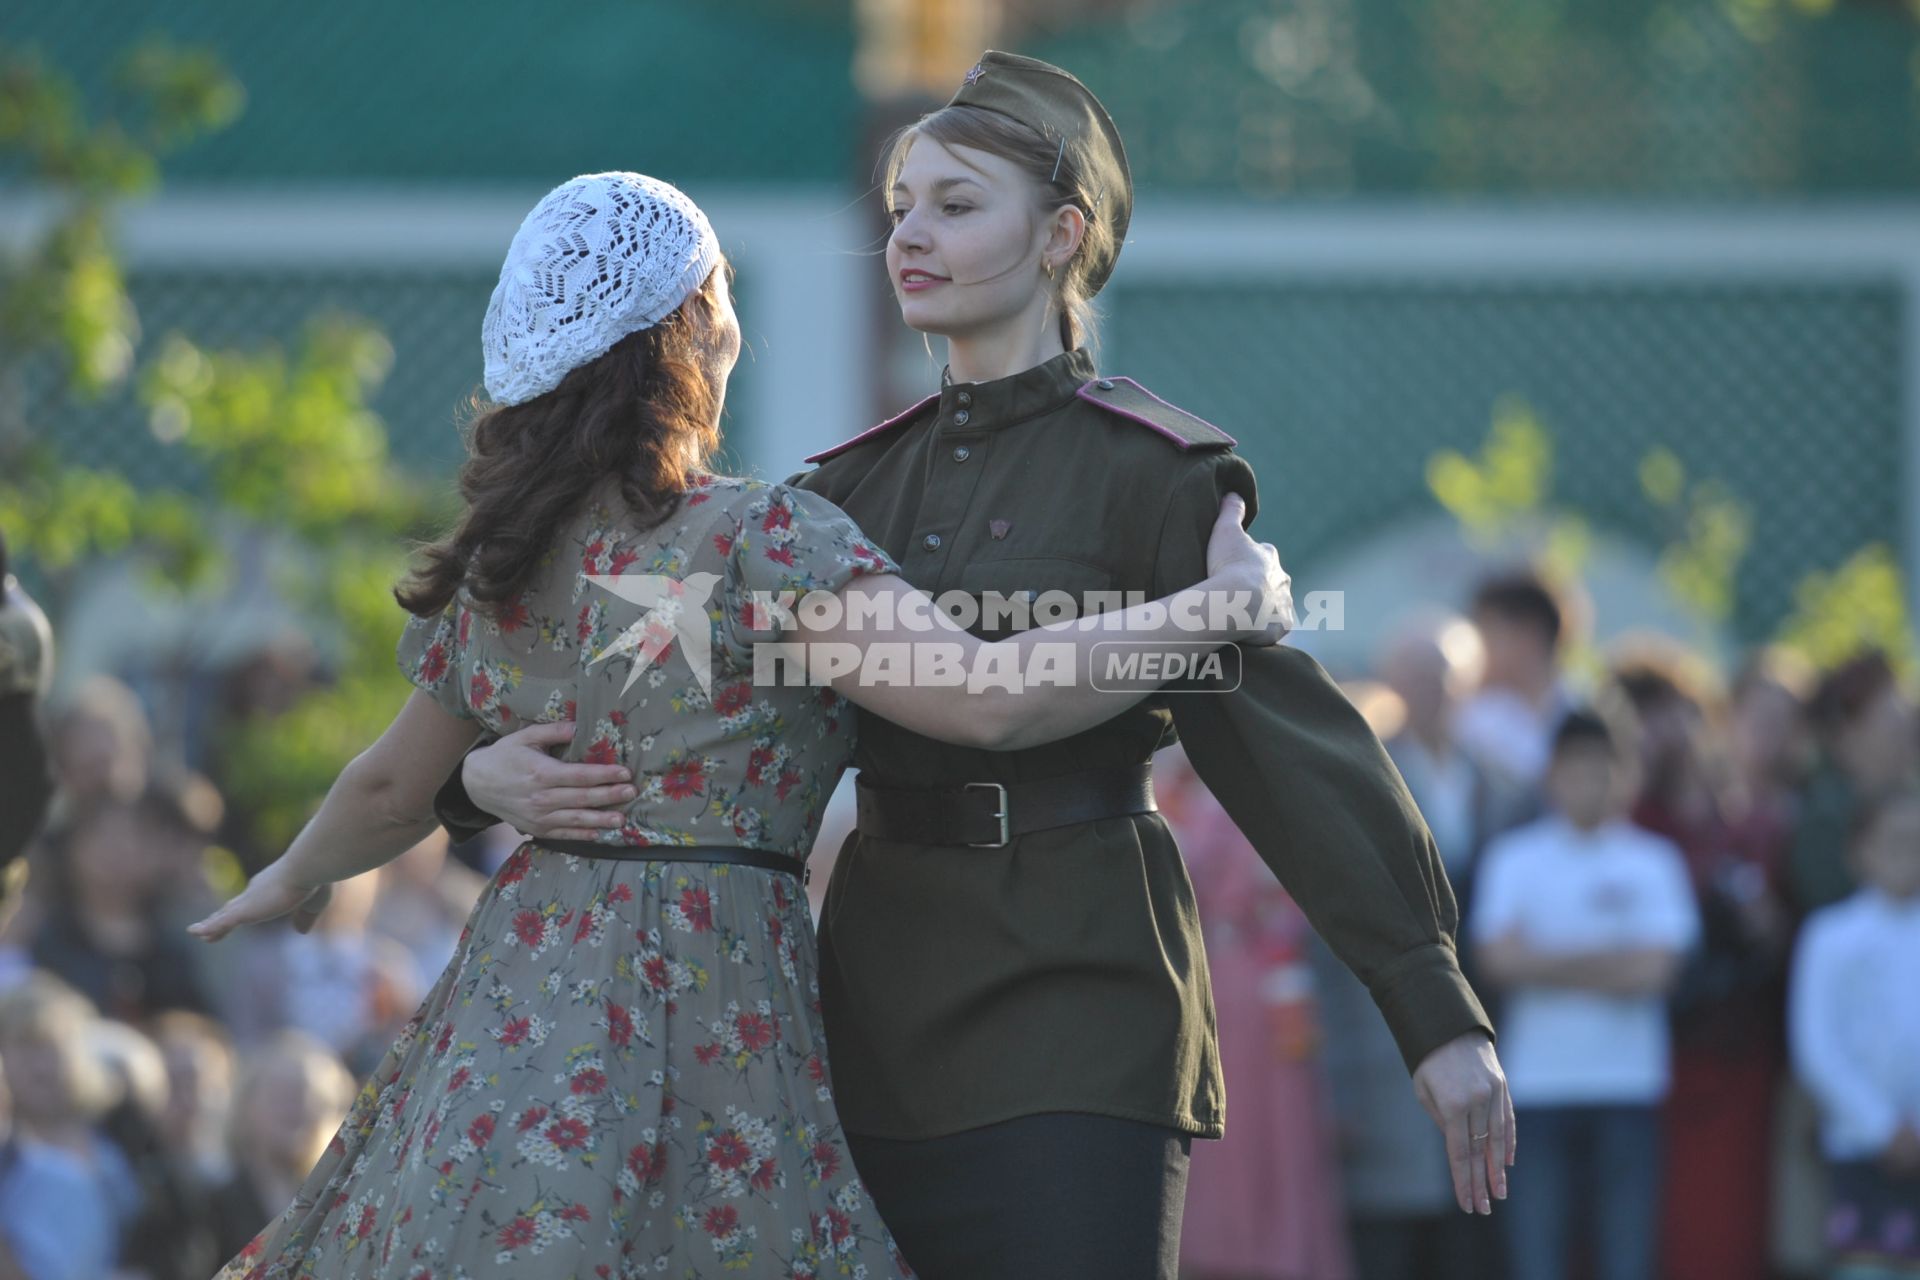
(1127, 399)
(872, 432)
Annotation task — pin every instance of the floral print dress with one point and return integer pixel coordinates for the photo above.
(622, 1072)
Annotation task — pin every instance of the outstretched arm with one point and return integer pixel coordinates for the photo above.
(1304, 777)
(380, 806)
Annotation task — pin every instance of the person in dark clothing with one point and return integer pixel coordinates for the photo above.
(26, 777)
(1864, 722)
(104, 930)
(171, 1236)
(1728, 1004)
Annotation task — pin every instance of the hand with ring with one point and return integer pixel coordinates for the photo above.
(1462, 1087)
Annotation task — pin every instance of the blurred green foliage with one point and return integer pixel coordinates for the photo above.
(1503, 501)
(1708, 532)
(69, 293)
(1502, 496)
(1507, 485)
(1859, 605)
(284, 439)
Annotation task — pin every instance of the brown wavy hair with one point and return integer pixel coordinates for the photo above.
(1055, 170)
(644, 412)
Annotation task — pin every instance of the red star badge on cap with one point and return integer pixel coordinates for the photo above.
(973, 76)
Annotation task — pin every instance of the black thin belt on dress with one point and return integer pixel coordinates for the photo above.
(676, 853)
(986, 815)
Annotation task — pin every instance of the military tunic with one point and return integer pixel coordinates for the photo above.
(1066, 972)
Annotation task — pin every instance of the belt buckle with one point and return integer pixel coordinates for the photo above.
(1001, 814)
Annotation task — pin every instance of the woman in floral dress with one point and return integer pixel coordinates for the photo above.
(622, 1071)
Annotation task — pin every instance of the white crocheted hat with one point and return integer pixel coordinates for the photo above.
(600, 257)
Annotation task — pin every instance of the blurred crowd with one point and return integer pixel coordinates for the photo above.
(1689, 897)
(163, 1098)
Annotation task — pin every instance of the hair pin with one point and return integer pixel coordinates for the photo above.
(1057, 158)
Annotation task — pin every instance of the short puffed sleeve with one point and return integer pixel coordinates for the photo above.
(432, 654)
(779, 544)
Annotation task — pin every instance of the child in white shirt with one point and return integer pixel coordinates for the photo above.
(1854, 1020)
(1583, 919)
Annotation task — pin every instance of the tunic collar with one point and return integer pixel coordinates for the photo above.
(986, 406)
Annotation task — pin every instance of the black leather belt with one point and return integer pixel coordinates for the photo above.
(987, 815)
(676, 853)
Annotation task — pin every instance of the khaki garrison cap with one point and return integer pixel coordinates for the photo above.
(1061, 109)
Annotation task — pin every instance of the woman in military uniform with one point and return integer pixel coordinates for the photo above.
(1013, 978)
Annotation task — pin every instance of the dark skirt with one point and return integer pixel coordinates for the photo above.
(1036, 1198)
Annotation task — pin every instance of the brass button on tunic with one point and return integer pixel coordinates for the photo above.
(1066, 971)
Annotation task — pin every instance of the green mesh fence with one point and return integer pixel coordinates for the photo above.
(1789, 395)
(436, 91)
(1317, 97)
(431, 319)
(1562, 97)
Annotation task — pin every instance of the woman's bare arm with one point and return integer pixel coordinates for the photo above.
(380, 806)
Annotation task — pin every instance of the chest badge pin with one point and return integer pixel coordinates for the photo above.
(999, 527)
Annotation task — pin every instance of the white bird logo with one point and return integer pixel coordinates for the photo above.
(677, 611)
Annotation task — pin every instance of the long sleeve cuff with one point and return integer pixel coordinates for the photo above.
(456, 810)
(1427, 1002)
